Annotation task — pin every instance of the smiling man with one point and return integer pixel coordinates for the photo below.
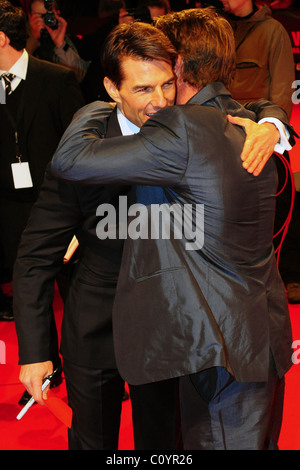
(146, 88)
(141, 81)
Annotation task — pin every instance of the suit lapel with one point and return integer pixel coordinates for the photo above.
(113, 127)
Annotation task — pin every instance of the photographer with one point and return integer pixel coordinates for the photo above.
(48, 39)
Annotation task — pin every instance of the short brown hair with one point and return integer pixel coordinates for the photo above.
(206, 43)
(139, 41)
(13, 24)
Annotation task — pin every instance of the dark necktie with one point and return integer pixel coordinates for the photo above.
(8, 77)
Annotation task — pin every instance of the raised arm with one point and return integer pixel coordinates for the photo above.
(156, 155)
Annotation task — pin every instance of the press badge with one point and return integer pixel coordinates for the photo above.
(21, 175)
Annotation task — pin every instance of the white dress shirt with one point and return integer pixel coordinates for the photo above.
(127, 127)
(19, 69)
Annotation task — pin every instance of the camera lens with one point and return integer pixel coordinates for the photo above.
(50, 20)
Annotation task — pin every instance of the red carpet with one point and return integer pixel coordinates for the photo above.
(39, 429)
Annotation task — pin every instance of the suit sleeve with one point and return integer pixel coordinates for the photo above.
(157, 155)
(53, 221)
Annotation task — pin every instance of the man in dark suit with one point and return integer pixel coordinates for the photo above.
(95, 388)
(40, 103)
(210, 311)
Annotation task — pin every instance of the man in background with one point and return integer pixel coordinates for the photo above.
(94, 386)
(265, 69)
(48, 38)
(41, 99)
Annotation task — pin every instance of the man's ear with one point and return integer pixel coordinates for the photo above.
(178, 65)
(3, 39)
(112, 90)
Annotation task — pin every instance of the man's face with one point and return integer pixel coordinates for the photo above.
(238, 7)
(147, 87)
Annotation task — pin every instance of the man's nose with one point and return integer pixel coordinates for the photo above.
(158, 99)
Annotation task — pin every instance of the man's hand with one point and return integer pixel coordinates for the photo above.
(32, 375)
(58, 35)
(259, 144)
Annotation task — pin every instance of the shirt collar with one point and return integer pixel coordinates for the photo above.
(127, 127)
(19, 69)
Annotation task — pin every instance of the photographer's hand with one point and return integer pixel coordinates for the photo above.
(58, 35)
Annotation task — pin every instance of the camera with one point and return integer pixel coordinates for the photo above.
(49, 18)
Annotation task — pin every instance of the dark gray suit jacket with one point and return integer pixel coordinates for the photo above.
(187, 310)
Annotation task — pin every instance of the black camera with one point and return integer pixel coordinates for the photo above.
(49, 18)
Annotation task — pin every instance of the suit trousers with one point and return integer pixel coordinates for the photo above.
(208, 410)
(219, 413)
(155, 415)
(13, 219)
(95, 396)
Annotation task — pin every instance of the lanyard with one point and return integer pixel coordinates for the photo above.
(15, 124)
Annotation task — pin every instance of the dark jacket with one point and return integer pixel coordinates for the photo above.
(42, 106)
(49, 98)
(62, 211)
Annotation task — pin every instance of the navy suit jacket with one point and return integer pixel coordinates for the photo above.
(179, 311)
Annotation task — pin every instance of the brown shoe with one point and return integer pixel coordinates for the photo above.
(293, 293)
